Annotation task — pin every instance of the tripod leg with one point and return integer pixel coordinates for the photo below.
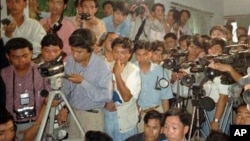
(45, 117)
(192, 123)
(52, 118)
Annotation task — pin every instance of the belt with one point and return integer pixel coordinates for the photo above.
(23, 122)
(149, 109)
(92, 111)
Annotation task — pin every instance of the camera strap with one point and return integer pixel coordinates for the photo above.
(57, 26)
(140, 30)
(33, 81)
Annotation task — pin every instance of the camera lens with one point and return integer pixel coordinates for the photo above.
(246, 96)
(139, 10)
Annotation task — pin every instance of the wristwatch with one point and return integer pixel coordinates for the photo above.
(216, 120)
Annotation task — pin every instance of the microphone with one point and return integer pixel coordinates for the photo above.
(244, 80)
(44, 93)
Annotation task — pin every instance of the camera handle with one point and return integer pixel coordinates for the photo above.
(52, 110)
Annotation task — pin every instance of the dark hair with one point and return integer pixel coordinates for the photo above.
(218, 27)
(95, 1)
(18, 43)
(103, 37)
(52, 39)
(241, 105)
(108, 2)
(152, 115)
(156, 45)
(97, 136)
(183, 38)
(170, 35)
(83, 38)
(217, 136)
(77, 3)
(142, 44)
(158, 4)
(125, 43)
(185, 11)
(217, 41)
(241, 27)
(196, 40)
(183, 114)
(122, 6)
(176, 14)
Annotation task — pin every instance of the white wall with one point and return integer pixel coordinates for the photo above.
(213, 6)
(239, 7)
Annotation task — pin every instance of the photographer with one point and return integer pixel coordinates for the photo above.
(51, 47)
(57, 23)
(87, 19)
(23, 85)
(194, 49)
(139, 14)
(87, 86)
(216, 90)
(155, 90)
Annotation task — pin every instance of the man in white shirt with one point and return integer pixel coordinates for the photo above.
(121, 114)
(22, 26)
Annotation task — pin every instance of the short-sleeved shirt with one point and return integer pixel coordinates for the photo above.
(149, 95)
(32, 84)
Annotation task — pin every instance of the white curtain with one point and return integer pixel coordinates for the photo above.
(200, 21)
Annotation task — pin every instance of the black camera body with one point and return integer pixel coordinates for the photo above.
(140, 9)
(174, 63)
(85, 16)
(25, 112)
(239, 61)
(51, 68)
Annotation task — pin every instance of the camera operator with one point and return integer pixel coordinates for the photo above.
(139, 14)
(51, 47)
(194, 49)
(23, 85)
(157, 20)
(87, 19)
(87, 86)
(216, 90)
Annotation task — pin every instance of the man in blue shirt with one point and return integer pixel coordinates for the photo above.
(118, 22)
(89, 85)
(155, 91)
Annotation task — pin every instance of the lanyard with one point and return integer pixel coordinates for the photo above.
(14, 75)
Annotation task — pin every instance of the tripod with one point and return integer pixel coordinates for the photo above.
(55, 83)
(196, 114)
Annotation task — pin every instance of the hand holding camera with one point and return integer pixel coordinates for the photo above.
(9, 27)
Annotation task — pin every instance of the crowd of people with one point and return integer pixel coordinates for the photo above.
(130, 75)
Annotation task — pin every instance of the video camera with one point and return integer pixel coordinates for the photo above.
(85, 16)
(174, 62)
(53, 67)
(239, 61)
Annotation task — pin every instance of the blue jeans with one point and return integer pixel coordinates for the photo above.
(225, 121)
(111, 127)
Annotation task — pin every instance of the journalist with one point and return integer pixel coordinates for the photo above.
(218, 91)
(155, 89)
(88, 87)
(23, 85)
